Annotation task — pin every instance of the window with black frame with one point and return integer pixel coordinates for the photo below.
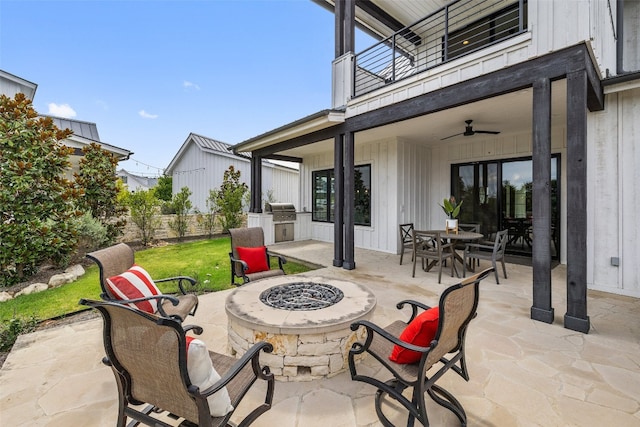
(485, 31)
(323, 195)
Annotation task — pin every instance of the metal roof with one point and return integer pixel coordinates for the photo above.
(80, 128)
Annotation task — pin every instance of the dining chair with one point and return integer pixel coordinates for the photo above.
(406, 239)
(432, 250)
(474, 228)
(493, 252)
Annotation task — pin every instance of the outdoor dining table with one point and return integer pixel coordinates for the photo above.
(465, 236)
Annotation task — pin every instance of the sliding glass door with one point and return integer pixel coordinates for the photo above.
(498, 194)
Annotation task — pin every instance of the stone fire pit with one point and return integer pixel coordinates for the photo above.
(306, 319)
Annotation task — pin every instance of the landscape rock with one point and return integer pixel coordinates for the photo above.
(36, 287)
(61, 279)
(76, 270)
(5, 296)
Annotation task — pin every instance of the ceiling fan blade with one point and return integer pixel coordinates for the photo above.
(451, 136)
(492, 132)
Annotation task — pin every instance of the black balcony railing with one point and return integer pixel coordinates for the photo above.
(458, 29)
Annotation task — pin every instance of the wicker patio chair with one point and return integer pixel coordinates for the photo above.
(493, 252)
(253, 260)
(119, 259)
(406, 239)
(148, 357)
(456, 308)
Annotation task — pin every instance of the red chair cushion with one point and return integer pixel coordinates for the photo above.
(135, 283)
(421, 332)
(256, 258)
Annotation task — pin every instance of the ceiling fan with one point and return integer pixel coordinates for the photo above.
(468, 131)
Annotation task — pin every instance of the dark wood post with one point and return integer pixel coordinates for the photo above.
(541, 256)
(576, 317)
(338, 225)
(255, 204)
(339, 27)
(349, 26)
(349, 202)
(345, 20)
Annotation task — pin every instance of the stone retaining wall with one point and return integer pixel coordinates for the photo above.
(131, 232)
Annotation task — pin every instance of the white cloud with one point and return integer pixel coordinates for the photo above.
(146, 115)
(62, 110)
(190, 85)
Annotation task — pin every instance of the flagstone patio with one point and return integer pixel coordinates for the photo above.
(523, 372)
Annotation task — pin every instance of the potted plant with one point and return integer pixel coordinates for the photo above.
(452, 209)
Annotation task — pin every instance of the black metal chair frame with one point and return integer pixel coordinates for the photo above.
(153, 371)
(449, 341)
(250, 237)
(118, 258)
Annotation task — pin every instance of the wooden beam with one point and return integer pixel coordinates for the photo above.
(283, 158)
(576, 317)
(256, 185)
(338, 212)
(541, 252)
(553, 66)
(349, 202)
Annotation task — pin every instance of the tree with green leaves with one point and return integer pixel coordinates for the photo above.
(37, 201)
(164, 188)
(208, 219)
(97, 178)
(229, 199)
(182, 206)
(144, 208)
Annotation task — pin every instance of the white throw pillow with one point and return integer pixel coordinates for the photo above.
(202, 374)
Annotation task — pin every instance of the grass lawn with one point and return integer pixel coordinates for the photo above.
(205, 260)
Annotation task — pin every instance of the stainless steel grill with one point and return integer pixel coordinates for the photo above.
(281, 211)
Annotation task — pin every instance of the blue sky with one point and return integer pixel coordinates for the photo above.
(150, 72)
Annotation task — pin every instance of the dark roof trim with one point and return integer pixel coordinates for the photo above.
(622, 78)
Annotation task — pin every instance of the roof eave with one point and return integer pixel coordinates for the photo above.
(315, 122)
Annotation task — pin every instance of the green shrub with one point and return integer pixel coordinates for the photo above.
(182, 206)
(10, 330)
(92, 234)
(143, 206)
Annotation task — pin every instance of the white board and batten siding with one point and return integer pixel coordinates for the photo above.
(613, 193)
(203, 170)
(399, 190)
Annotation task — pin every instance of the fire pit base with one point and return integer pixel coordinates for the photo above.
(307, 345)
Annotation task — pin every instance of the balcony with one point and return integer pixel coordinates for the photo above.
(456, 30)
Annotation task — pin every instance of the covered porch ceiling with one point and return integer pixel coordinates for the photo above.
(510, 113)
(381, 18)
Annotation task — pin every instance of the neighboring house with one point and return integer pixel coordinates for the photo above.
(559, 80)
(200, 164)
(136, 182)
(84, 133)
(11, 85)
